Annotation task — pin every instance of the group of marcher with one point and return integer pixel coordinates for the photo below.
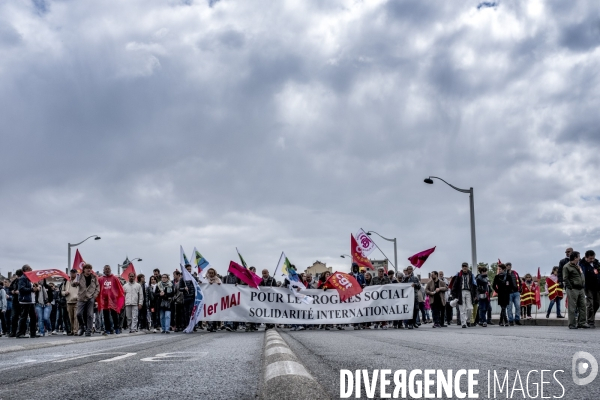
(107, 304)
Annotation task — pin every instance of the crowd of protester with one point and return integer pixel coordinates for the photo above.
(107, 304)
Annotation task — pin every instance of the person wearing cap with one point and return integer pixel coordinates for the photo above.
(409, 277)
(69, 292)
(464, 290)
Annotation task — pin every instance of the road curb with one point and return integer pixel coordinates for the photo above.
(284, 375)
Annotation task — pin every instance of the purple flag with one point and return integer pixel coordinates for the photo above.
(419, 259)
(245, 275)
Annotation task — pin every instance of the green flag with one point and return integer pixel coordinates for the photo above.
(241, 259)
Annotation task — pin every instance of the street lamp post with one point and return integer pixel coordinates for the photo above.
(346, 255)
(126, 263)
(395, 247)
(472, 203)
(96, 237)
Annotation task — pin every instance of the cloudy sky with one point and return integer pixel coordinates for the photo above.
(286, 125)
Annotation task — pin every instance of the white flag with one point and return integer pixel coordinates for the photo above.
(364, 242)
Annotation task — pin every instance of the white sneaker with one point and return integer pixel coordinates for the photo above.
(64, 332)
(154, 330)
(384, 327)
(54, 333)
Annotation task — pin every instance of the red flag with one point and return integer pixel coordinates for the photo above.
(345, 284)
(539, 276)
(538, 296)
(245, 275)
(357, 255)
(111, 294)
(79, 262)
(419, 259)
(130, 268)
(36, 276)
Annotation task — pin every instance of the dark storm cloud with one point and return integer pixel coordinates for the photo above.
(288, 125)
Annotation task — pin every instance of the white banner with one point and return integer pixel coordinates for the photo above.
(280, 306)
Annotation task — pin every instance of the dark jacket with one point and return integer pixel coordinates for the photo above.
(561, 265)
(191, 289)
(414, 280)
(591, 272)
(381, 281)
(269, 282)
(26, 293)
(458, 287)
(167, 297)
(360, 278)
(231, 279)
(502, 288)
(483, 286)
(14, 286)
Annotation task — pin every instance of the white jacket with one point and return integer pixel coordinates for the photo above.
(133, 294)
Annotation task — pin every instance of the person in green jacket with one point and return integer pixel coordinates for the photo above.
(574, 281)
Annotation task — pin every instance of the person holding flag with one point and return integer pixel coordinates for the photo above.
(187, 285)
(195, 310)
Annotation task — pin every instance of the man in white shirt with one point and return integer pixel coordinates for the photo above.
(134, 300)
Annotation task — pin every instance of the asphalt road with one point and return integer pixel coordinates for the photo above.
(197, 366)
(324, 353)
(228, 365)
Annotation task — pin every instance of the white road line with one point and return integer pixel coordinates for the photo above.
(11, 348)
(83, 356)
(278, 350)
(119, 357)
(281, 368)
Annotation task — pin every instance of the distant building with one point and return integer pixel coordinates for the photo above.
(380, 263)
(317, 269)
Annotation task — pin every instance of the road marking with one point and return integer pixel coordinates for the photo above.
(11, 348)
(278, 350)
(281, 368)
(119, 357)
(83, 356)
(175, 356)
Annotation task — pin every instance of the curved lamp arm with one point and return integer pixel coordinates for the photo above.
(89, 237)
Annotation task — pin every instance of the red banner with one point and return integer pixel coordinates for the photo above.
(345, 285)
(419, 259)
(130, 268)
(357, 255)
(36, 276)
(79, 262)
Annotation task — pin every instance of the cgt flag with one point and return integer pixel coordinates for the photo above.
(345, 284)
(364, 241)
(36, 276)
(357, 255)
(79, 262)
(245, 275)
(419, 259)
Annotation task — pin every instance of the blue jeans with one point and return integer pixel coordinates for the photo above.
(165, 320)
(515, 299)
(43, 317)
(484, 305)
(557, 301)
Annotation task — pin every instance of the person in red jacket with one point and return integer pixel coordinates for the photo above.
(528, 288)
(110, 300)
